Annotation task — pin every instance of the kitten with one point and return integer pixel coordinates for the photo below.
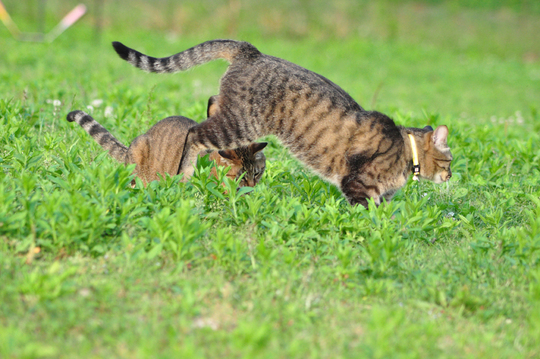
(159, 150)
(362, 152)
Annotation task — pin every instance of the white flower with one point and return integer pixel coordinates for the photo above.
(97, 103)
(108, 111)
(55, 103)
(90, 108)
(519, 117)
(206, 323)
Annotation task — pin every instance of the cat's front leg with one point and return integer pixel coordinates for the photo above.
(359, 190)
(216, 133)
(189, 158)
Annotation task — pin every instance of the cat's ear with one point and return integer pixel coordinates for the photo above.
(439, 136)
(428, 128)
(228, 154)
(212, 106)
(258, 146)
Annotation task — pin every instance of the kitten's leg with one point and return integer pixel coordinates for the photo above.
(359, 190)
(139, 153)
(189, 158)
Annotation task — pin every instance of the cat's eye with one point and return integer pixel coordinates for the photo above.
(259, 173)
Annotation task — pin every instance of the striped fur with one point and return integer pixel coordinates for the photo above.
(362, 152)
(198, 55)
(117, 149)
(159, 150)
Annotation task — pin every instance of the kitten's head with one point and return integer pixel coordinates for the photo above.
(249, 161)
(437, 157)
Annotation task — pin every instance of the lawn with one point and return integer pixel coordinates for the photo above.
(90, 267)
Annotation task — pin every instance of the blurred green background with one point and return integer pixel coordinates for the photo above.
(507, 28)
(416, 56)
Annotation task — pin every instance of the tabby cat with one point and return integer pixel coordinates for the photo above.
(362, 152)
(159, 150)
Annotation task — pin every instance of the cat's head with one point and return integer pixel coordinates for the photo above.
(435, 165)
(249, 161)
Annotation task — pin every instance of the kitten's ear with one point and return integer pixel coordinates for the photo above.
(428, 128)
(258, 146)
(228, 154)
(440, 135)
(212, 106)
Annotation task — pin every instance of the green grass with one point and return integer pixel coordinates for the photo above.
(93, 268)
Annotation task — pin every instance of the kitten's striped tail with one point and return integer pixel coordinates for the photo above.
(116, 149)
(229, 50)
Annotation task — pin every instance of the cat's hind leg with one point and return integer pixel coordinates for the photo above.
(358, 189)
(218, 132)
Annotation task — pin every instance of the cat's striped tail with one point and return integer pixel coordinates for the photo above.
(116, 149)
(229, 50)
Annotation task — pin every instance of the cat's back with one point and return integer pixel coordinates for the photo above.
(171, 127)
(271, 78)
(160, 149)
